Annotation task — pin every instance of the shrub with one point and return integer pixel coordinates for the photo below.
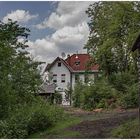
(76, 94)
(30, 119)
(120, 81)
(87, 98)
(130, 98)
(58, 98)
(94, 95)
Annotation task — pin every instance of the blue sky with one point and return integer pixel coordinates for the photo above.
(56, 27)
(44, 9)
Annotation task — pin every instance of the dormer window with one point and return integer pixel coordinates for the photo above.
(77, 63)
(59, 64)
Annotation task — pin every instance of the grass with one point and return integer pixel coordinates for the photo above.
(59, 130)
(127, 130)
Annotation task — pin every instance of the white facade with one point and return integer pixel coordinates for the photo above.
(64, 78)
(61, 86)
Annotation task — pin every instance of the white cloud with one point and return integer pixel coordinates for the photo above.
(67, 14)
(71, 32)
(68, 40)
(20, 16)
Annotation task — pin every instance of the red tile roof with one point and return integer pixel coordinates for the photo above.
(78, 62)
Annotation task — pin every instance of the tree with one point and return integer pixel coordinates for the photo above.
(19, 77)
(114, 27)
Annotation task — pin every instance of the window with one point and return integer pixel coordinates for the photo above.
(63, 77)
(77, 78)
(54, 78)
(77, 63)
(59, 64)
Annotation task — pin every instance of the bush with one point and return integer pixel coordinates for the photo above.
(98, 95)
(130, 98)
(30, 119)
(120, 81)
(58, 98)
(121, 90)
(76, 94)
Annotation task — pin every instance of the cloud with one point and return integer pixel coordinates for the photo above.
(69, 23)
(67, 14)
(21, 16)
(67, 39)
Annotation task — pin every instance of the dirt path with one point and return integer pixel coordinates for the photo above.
(100, 128)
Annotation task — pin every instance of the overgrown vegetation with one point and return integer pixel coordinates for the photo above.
(60, 129)
(104, 93)
(128, 130)
(114, 27)
(21, 111)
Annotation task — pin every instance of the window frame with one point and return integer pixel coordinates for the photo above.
(63, 78)
(55, 79)
(59, 64)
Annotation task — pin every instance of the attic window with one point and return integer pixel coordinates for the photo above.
(59, 64)
(77, 63)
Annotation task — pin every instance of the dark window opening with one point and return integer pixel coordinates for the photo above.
(55, 78)
(59, 64)
(63, 77)
(77, 63)
(77, 78)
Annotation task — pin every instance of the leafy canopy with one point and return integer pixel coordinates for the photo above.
(114, 26)
(19, 77)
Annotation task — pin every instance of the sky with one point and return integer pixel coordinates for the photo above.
(56, 26)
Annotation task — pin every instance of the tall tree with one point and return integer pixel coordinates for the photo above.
(114, 27)
(19, 77)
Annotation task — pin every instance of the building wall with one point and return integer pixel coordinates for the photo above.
(81, 77)
(61, 86)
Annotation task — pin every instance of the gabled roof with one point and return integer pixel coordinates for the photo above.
(82, 60)
(56, 60)
(70, 63)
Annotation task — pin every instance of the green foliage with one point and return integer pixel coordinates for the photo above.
(95, 95)
(121, 90)
(76, 95)
(19, 77)
(114, 27)
(58, 98)
(128, 130)
(30, 119)
(21, 111)
(121, 81)
(130, 98)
